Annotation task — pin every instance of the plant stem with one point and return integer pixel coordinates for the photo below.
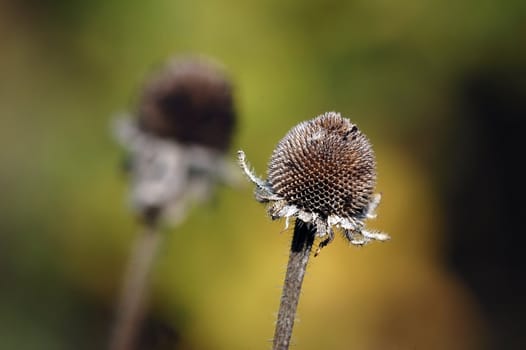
(300, 249)
(134, 294)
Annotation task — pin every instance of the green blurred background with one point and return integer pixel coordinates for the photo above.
(439, 88)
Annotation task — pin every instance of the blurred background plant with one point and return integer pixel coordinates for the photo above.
(439, 88)
(175, 141)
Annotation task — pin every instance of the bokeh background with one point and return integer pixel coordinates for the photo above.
(438, 86)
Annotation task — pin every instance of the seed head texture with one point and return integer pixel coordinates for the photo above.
(325, 166)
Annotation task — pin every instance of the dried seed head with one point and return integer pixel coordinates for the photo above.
(178, 138)
(190, 100)
(324, 166)
(322, 172)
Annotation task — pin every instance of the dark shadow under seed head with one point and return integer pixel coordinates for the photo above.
(189, 100)
(325, 166)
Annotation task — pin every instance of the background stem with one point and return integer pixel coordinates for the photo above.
(299, 256)
(134, 294)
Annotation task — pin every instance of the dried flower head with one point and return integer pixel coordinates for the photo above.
(322, 172)
(189, 100)
(178, 138)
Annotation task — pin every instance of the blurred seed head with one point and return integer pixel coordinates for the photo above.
(178, 138)
(322, 171)
(190, 100)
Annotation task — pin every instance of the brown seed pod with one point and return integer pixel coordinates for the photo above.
(322, 172)
(178, 138)
(189, 100)
(325, 166)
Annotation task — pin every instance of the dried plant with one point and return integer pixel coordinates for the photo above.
(323, 174)
(177, 142)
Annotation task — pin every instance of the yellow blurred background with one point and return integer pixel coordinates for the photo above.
(438, 87)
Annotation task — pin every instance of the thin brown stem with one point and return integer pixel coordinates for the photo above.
(300, 249)
(134, 293)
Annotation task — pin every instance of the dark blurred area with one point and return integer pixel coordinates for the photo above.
(483, 197)
(439, 87)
